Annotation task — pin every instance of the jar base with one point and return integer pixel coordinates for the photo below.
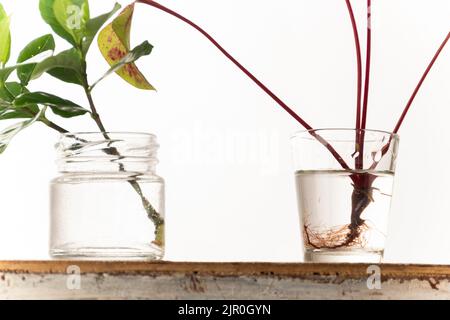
(342, 256)
(108, 253)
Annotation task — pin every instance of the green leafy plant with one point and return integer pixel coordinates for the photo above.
(72, 21)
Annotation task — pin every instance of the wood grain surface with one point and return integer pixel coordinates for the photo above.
(187, 280)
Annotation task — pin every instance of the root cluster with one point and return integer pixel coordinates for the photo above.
(334, 238)
(349, 235)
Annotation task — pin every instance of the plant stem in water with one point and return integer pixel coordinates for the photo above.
(349, 235)
(152, 214)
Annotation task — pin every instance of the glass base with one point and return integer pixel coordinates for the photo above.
(109, 253)
(342, 256)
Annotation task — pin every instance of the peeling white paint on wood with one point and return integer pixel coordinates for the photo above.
(101, 280)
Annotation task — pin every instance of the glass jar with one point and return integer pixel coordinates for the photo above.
(107, 202)
(344, 180)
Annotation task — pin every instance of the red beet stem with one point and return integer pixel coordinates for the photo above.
(410, 101)
(358, 64)
(419, 85)
(358, 145)
(230, 57)
(360, 158)
(368, 59)
(253, 78)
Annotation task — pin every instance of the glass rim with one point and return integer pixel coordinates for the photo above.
(301, 134)
(116, 133)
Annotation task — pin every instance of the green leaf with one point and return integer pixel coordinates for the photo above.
(143, 49)
(93, 27)
(5, 37)
(17, 113)
(5, 73)
(114, 44)
(47, 13)
(34, 48)
(66, 66)
(66, 75)
(7, 95)
(4, 105)
(10, 90)
(59, 106)
(72, 15)
(9, 133)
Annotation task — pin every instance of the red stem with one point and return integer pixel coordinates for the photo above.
(253, 78)
(419, 85)
(368, 59)
(358, 63)
(385, 149)
(358, 159)
(230, 57)
(362, 133)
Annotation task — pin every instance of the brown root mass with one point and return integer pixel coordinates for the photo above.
(349, 235)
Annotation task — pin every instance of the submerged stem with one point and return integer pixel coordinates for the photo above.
(152, 213)
(348, 235)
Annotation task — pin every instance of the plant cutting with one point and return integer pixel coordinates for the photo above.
(106, 165)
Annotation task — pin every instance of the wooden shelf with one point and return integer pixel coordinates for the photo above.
(176, 280)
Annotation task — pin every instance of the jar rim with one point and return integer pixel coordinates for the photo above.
(302, 133)
(118, 151)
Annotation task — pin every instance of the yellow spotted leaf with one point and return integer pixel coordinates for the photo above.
(114, 44)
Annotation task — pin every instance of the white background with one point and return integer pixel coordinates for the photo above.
(225, 152)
